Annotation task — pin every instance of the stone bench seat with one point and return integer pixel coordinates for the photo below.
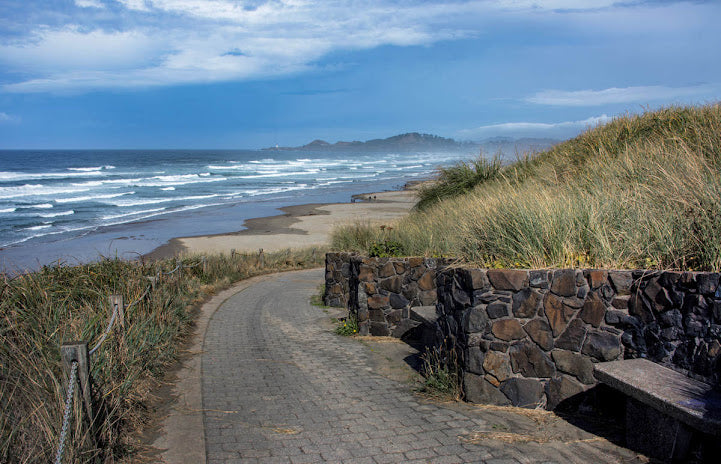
(683, 403)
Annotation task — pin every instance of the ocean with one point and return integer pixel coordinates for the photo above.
(73, 206)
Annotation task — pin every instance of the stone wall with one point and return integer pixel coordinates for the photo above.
(337, 279)
(382, 291)
(530, 338)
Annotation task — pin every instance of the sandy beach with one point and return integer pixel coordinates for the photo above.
(300, 226)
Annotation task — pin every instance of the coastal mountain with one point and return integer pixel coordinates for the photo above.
(413, 141)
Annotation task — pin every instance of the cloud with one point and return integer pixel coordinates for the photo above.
(535, 129)
(89, 4)
(6, 118)
(640, 94)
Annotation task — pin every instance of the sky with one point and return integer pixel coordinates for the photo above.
(256, 73)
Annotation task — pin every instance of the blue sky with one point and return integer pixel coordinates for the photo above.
(246, 74)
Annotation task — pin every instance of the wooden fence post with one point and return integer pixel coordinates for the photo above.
(205, 265)
(232, 252)
(179, 264)
(78, 351)
(261, 258)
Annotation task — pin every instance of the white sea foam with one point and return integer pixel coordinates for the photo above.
(151, 201)
(131, 213)
(44, 226)
(40, 206)
(88, 169)
(169, 189)
(9, 176)
(7, 210)
(91, 197)
(52, 215)
(36, 190)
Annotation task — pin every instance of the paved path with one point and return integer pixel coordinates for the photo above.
(279, 386)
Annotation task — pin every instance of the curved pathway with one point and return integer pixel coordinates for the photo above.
(279, 386)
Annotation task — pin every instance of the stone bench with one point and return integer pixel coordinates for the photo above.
(678, 406)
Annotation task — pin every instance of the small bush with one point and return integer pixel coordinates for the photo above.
(442, 374)
(347, 327)
(458, 179)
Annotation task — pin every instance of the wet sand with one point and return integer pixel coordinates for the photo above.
(299, 227)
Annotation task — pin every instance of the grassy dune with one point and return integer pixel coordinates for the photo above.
(39, 311)
(639, 192)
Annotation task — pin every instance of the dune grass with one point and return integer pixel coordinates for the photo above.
(642, 191)
(39, 311)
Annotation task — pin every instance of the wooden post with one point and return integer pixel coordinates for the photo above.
(232, 252)
(179, 263)
(261, 258)
(78, 351)
(153, 280)
(205, 265)
(116, 304)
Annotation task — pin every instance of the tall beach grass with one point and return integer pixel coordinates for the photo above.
(642, 191)
(39, 311)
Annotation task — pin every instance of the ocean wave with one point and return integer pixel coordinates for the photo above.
(40, 227)
(131, 213)
(52, 215)
(38, 190)
(91, 197)
(39, 206)
(168, 189)
(151, 201)
(10, 176)
(7, 210)
(88, 169)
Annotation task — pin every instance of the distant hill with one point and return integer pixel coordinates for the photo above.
(414, 141)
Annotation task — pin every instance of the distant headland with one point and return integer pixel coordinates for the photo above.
(414, 141)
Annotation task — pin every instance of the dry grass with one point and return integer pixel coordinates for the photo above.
(640, 192)
(40, 311)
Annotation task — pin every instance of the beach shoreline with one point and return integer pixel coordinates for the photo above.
(299, 226)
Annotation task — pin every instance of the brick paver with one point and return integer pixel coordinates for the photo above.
(280, 387)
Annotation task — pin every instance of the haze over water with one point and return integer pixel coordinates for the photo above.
(73, 205)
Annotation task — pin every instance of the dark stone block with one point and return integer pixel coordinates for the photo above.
(508, 329)
(602, 346)
(596, 278)
(496, 310)
(716, 310)
(707, 283)
(497, 365)
(524, 393)
(538, 279)
(574, 364)
(475, 320)
(379, 329)
(393, 317)
(557, 313)
(387, 270)
(377, 315)
(392, 284)
(572, 338)
(400, 267)
(426, 282)
(671, 318)
(530, 361)
(540, 332)
(476, 279)
(475, 360)
(640, 307)
(621, 281)
(507, 279)
(378, 302)
(427, 298)
(620, 302)
(564, 282)
(398, 301)
(593, 311)
(478, 390)
(499, 346)
(657, 295)
(559, 389)
(525, 303)
(582, 292)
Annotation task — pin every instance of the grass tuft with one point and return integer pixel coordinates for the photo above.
(39, 311)
(642, 191)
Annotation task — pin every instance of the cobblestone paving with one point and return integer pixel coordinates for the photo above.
(280, 387)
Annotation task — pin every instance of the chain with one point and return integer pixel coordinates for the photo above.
(66, 415)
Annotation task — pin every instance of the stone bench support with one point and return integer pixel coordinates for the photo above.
(678, 406)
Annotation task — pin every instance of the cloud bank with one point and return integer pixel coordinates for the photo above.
(640, 94)
(562, 129)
